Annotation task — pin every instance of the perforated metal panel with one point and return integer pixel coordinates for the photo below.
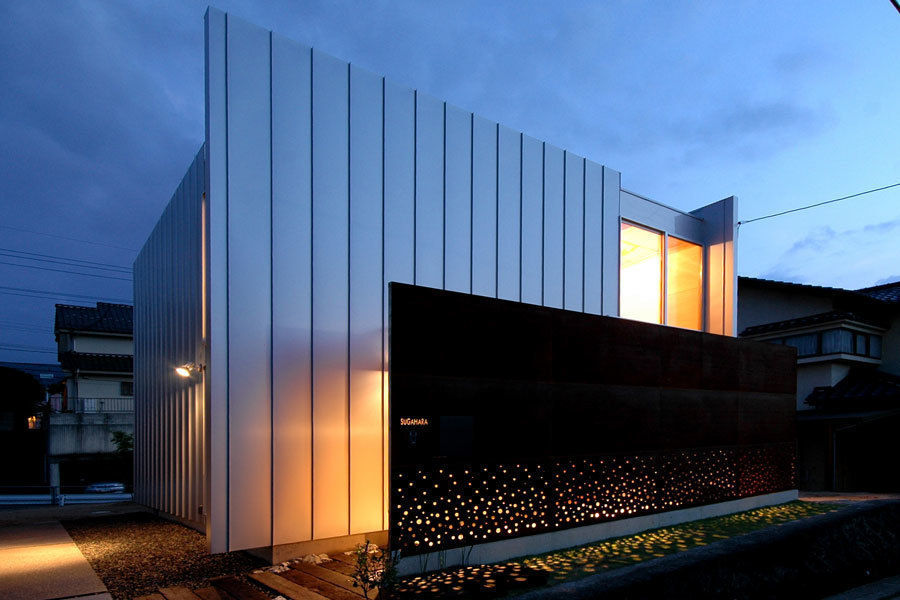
(453, 506)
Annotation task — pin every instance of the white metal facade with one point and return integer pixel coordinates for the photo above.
(170, 440)
(325, 182)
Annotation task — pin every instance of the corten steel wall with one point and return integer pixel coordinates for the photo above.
(526, 419)
(324, 183)
(170, 436)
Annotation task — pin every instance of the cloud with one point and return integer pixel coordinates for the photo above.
(799, 62)
(817, 240)
(746, 130)
(850, 258)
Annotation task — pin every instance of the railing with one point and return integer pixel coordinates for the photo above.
(100, 405)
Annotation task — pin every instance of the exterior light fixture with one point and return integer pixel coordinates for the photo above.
(188, 370)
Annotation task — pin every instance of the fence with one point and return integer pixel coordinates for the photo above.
(100, 405)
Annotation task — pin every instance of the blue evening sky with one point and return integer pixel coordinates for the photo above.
(779, 103)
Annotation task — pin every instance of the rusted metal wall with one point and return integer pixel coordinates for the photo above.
(512, 420)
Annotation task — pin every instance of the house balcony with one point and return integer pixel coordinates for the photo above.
(98, 405)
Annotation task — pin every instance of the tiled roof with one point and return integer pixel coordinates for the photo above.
(809, 320)
(772, 283)
(86, 361)
(888, 292)
(104, 318)
(861, 388)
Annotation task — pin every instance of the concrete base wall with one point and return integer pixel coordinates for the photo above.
(86, 433)
(282, 552)
(557, 540)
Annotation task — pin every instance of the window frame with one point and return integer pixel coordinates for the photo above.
(704, 258)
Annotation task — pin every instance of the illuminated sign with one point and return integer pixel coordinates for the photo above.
(413, 421)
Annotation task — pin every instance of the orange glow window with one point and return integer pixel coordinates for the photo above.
(684, 284)
(660, 278)
(640, 277)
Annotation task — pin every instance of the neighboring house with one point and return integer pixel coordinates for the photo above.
(95, 348)
(848, 375)
(266, 285)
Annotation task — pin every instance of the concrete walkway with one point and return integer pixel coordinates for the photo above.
(39, 561)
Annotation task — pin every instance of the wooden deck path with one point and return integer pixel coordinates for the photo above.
(302, 581)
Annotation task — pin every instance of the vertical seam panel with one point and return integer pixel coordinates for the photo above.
(384, 458)
(312, 337)
(565, 200)
(521, 159)
(415, 181)
(583, 226)
(271, 312)
(543, 212)
(349, 302)
(227, 315)
(444, 202)
(471, 201)
(497, 214)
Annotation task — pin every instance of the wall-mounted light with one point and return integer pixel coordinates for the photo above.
(188, 370)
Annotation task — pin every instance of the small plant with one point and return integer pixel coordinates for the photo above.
(375, 569)
(123, 441)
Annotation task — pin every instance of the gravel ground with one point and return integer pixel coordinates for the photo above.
(138, 553)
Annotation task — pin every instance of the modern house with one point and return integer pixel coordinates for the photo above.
(296, 304)
(848, 375)
(95, 349)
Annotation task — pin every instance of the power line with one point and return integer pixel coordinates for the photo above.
(23, 328)
(65, 237)
(58, 298)
(17, 323)
(17, 291)
(27, 349)
(64, 271)
(784, 212)
(72, 262)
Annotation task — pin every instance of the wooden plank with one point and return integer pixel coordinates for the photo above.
(329, 590)
(240, 590)
(150, 597)
(286, 587)
(338, 566)
(328, 575)
(211, 593)
(348, 559)
(178, 593)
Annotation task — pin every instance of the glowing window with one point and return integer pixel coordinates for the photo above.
(660, 278)
(640, 276)
(684, 284)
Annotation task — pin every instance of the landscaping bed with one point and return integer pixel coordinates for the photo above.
(136, 554)
(554, 568)
(808, 558)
